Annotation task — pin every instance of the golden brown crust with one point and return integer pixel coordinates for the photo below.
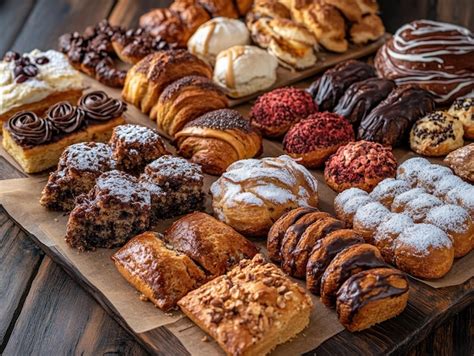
(243, 6)
(160, 273)
(369, 28)
(461, 161)
(166, 24)
(350, 8)
(267, 306)
(147, 79)
(223, 8)
(213, 245)
(192, 15)
(267, 8)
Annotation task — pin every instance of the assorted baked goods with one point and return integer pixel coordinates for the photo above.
(217, 139)
(313, 245)
(463, 109)
(35, 81)
(434, 56)
(360, 164)
(36, 142)
(245, 70)
(252, 194)
(312, 140)
(461, 161)
(267, 306)
(275, 112)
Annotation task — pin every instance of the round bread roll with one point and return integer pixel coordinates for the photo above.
(388, 189)
(368, 217)
(436, 134)
(388, 231)
(425, 251)
(463, 109)
(254, 193)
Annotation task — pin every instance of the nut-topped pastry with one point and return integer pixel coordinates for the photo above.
(35, 81)
(461, 161)
(268, 307)
(253, 193)
(217, 139)
(359, 164)
(463, 109)
(436, 134)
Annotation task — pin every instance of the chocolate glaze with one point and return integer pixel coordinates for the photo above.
(334, 82)
(361, 97)
(65, 118)
(28, 129)
(389, 122)
(100, 107)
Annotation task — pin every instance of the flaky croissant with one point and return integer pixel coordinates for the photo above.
(217, 139)
(147, 79)
(185, 100)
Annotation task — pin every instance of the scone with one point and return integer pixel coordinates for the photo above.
(253, 193)
(245, 70)
(461, 161)
(463, 109)
(266, 305)
(436, 134)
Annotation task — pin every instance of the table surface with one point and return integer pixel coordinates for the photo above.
(43, 311)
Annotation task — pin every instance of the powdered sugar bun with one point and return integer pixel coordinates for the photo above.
(409, 169)
(399, 202)
(347, 211)
(424, 250)
(387, 232)
(446, 184)
(462, 195)
(456, 222)
(431, 175)
(419, 207)
(388, 189)
(368, 217)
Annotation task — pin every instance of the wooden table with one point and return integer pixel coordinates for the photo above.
(43, 311)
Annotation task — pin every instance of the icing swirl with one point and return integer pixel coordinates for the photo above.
(28, 129)
(65, 118)
(100, 107)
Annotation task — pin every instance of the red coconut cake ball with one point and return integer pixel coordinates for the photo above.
(312, 140)
(274, 112)
(360, 164)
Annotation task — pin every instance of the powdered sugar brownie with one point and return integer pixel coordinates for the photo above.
(368, 217)
(388, 189)
(387, 233)
(78, 169)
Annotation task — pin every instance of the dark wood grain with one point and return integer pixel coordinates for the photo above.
(456, 11)
(127, 12)
(59, 318)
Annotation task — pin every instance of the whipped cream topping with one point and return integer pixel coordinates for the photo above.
(56, 75)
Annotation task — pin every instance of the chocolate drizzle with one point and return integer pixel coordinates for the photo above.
(65, 118)
(100, 107)
(28, 129)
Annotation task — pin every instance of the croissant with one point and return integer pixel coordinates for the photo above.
(217, 139)
(185, 100)
(147, 79)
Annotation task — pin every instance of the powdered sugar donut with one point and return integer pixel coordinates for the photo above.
(388, 231)
(462, 195)
(368, 217)
(446, 184)
(419, 207)
(410, 169)
(399, 202)
(388, 189)
(429, 176)
(346, 211)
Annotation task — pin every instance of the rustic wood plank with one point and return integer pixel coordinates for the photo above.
(20, 259)
(127, 12)
(51, 18)
(7, 171)
(59, 318)
(13, 15)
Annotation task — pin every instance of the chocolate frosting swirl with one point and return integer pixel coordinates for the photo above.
(100, 107)
(28, 129)
(66, 118)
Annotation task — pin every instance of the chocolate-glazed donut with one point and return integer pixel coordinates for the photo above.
(65, 118)
(28, 129)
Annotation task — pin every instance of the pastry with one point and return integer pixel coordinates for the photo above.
(191, 14)
(361, 97)
(368, 6)
(217, 139)
(275, 112)
(456, 223)
(175, 185)
(147, 79)
(243, 6)
(223, 8)
(211, 244)
(185, 100)
(445, 184)
(435, 56)
(312, 140)
(292, 43)
(36, 143)
(35, 81)
(253, 193)
(116, 209)
(401, 200)
(387, 233)
(368, 28)
(279, 228)
(429, 176)
(350, 261)
(78, 168)
(388, 189)
(424, 251)
(349, 8)
(134, 146)
(217, 35)
(324, 252)
(461, 161)
(167, 24)
(463, 109)
(462, 195)
(281, 310)
(162, 274)
(359, 164)
(348, 201)
(436, 134)
(409, 169)
(420, 206)
(324, 21)
(267, 8)
(370, 297)
(390, 121)
(245, 70)
(328, 89)
(368, 217)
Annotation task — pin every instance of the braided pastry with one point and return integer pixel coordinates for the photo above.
(217, 139)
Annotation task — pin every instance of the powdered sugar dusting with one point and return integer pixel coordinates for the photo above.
(421, 237)
(419, 207)
(351, 205)
(172, 166)
(389, 187)
(123, 188)
(410, 168)
(394, 225)
(446, 184)
(343, 197)
(371, 215)
(404, 198)
(449, 218)
(138, 134)
(90, 157)
(429, 176)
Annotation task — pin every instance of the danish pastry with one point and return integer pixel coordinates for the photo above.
(368, 217)
(252, 194)
(217, 139)
(165, 23)
(461, 161)
(463, 109)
